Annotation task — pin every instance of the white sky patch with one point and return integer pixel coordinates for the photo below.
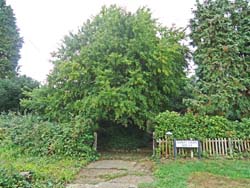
(44, 23)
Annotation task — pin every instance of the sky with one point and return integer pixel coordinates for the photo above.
(44, 23)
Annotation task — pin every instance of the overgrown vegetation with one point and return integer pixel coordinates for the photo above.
(43, 172)
(200, 126)
(182, 174)
(53, 153)
(43, 138)
(125, 70)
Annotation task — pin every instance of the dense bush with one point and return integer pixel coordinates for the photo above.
(12, 91)
(11, 179)
(199, 127)
(39, 137)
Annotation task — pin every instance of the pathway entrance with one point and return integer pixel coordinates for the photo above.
(115, 173)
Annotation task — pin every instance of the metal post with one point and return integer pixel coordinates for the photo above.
(199, 149)
(153, 143)
(192, 151)
(175, 149)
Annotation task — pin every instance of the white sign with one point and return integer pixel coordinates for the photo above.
(187, 143)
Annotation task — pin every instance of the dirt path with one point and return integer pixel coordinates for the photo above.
(114, 173)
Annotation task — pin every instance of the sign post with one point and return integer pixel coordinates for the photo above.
(187, 144)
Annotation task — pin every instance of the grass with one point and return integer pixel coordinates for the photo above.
(108, 177)
(217, 173)
(49, 170)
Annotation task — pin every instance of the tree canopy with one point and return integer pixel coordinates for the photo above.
(221, 37)
(120, 66)
(12, 90)
(10, 41)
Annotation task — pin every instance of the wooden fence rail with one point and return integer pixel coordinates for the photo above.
(210, 147)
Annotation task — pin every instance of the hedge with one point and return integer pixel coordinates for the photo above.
(199, 127)
(39, 137)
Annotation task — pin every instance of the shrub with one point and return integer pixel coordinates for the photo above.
(39, 137)
(12, 91)
(199, 127)
(243, 128)
(11, 179)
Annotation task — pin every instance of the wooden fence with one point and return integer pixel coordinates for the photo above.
(224, 147)
(209, 147)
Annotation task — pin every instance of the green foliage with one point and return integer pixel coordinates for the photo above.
(9, 179)
(45, 172)
(10, 41)
(42, 138)
(120, 67)
(200, 127)
(221, 37)
(177, 174)
(11, 92)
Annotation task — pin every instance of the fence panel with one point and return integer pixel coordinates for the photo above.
(211, 147)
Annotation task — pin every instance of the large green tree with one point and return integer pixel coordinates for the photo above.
(120, 67)
(10, 41)
(220, 33)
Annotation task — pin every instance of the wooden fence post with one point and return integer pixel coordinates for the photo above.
(166, 149)
(95, 142)
(230, 145)
(153, 143)
(225, 144)
(216, 146)
(175, 149)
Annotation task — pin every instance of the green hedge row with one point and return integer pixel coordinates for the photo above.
(199, 127)
(39, 137)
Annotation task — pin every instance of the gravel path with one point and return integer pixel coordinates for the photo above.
(114, 174)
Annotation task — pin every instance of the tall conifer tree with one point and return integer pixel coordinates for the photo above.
(10, 41)
(220, 33)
